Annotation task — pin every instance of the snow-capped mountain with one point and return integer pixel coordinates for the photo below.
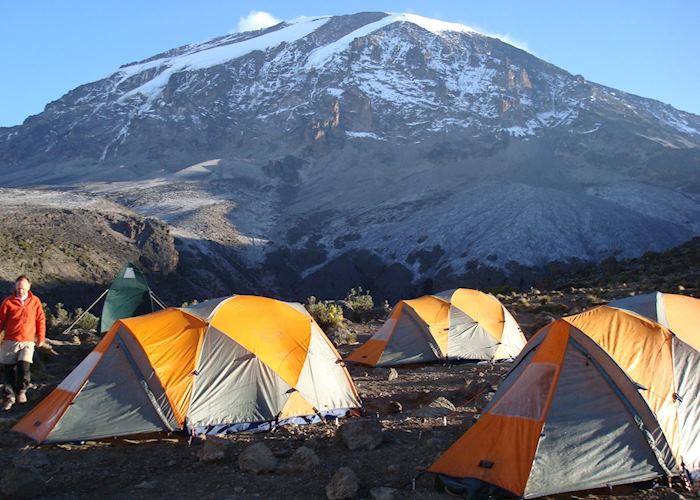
(388, 150)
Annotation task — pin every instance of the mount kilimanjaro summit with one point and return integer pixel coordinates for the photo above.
(391, 151)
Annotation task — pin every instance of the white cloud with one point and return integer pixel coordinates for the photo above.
(512, 41)
(506, 38)
(256, 20)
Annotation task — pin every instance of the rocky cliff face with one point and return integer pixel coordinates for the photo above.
(392, 151)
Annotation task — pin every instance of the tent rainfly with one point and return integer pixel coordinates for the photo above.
(224, 365)
(678, 313)
(128, 295)
(600, 398)
(459, 324)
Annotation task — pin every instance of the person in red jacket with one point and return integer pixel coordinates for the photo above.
(22, 318)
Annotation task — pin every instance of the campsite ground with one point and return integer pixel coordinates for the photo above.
(167, 466)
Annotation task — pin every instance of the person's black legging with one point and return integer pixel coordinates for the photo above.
(17, 376)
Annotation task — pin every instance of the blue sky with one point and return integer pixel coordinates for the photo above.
(645, 47)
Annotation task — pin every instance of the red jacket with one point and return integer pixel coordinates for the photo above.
(23, 322)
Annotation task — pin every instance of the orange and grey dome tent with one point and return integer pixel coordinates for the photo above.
(600, 398)
(223, 365)
(459, 324)
(678, 313)
(663, 363)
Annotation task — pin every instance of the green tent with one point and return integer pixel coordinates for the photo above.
(129, 295)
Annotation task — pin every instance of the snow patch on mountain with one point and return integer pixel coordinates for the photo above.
(206, 58)
(323, 55)
(364, 135)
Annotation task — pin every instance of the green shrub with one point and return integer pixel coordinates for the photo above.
(501, 290)
(326, 314)
(554, 308)
(88, 322)
(359, 301)
(59, 319)
(359, 304)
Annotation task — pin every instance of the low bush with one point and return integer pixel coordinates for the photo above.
(326, 314)
(359, 304)
(58, 319)
(88, 322)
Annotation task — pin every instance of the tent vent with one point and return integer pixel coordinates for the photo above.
(486, 464)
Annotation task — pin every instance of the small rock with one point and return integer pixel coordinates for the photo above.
(393, 468)
(343, 485)
(395, 407)
(384, 493)
(393, 374)
(147, 485)
(213, 449)
(257, 458)
(361, 433)
(21, 482)
(302, 460)
(440, 407)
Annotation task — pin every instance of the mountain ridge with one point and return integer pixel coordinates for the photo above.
(369, 149)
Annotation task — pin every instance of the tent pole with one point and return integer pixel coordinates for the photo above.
(84, 313)
(157, 300)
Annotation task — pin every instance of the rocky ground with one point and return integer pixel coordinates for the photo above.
(411, 415)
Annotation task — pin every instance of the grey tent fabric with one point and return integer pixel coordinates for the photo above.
(446, 295)
(687, 381)
(467, 339)
(412, 346)
(232, 385)
(644, 305)
(590, 438)
(203, 310)
(145, 371)
(114, 402)
(630, 391)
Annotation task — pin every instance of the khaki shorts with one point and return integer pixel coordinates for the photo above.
(11, 352)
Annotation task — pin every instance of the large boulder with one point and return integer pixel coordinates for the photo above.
(213, 449)
(361, 433)
(303, 460)
(343, 485)
(257, 458)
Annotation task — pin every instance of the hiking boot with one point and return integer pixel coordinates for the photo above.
(22, 397)
(8, 402)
